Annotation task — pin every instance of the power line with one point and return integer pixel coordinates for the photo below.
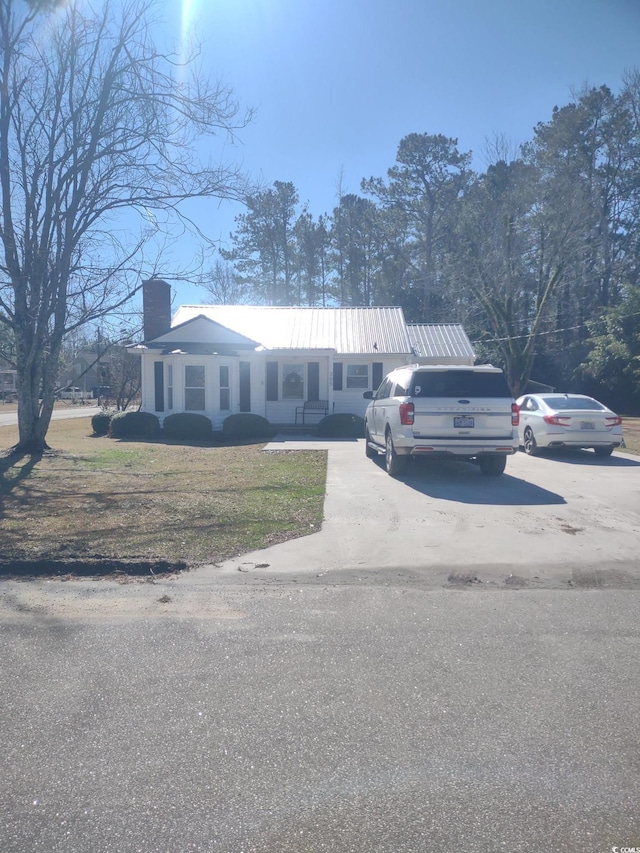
(519, 337)
(550, 332)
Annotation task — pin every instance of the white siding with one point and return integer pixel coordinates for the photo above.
(212, 384)
(281, 411)
(350, 400)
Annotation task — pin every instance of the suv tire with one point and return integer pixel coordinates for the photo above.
(492, 466)
(394, 464)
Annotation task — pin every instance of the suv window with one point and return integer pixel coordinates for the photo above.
(383, 390)
(459, 383)
(399, 390)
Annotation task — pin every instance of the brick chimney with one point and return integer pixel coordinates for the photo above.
(156, 308)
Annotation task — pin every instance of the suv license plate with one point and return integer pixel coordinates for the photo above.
(462, 422)
(587, 425)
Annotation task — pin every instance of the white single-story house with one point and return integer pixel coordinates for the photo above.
(220, 359)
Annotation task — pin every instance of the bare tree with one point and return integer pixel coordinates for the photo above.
(98, 132)
(512, 245)
(224, 285)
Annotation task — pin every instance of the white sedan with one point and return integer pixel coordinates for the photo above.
(567, 420)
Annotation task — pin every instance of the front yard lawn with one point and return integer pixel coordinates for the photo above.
(98, 504)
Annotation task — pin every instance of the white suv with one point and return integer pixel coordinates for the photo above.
(443, 410)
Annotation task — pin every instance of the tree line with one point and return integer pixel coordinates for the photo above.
(538, 256)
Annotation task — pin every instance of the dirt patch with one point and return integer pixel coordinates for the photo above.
(570, 529)
(463, 579)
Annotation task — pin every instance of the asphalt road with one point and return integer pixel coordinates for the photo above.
(77, 411)
(451, 664)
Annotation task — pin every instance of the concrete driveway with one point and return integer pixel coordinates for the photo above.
(553, 521)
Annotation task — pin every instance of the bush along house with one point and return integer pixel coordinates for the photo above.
(217, 360)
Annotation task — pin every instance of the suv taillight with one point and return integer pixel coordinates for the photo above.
(515, 414)
(406, 414)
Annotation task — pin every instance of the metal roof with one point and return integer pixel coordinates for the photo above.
(348, 331)
(440, 340)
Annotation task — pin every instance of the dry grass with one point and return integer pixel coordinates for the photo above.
(631, 432)
(100, 499)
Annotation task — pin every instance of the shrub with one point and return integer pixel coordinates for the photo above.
(100, 422)
(246, 425)
(134, 425)
(341, 426)
(187, 425)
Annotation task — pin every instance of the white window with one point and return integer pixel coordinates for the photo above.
(358, 376)
(169, 387)
(194, 388)
(293, 382)
(225, 393)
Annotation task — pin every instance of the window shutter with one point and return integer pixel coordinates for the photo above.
(376, 374)
(337, 376)
(313, 376)
(158, 377)
(245, 386)
(272, 380)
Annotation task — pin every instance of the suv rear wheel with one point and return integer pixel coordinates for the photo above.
(492, 466)
(395, 464)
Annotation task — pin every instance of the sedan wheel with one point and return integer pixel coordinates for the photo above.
(395, 464)
(530, 446)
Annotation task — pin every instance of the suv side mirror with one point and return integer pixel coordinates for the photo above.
(368, 395)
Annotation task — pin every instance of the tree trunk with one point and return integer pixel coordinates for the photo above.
(33, 422)
(37, 365)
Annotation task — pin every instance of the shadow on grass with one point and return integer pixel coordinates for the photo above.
(22, 466)
(218, 441)
(96, 567)
(11, 462)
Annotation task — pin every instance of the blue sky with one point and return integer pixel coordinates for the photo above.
(336, 84)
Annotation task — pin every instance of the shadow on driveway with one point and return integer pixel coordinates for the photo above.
(462, 482)
(588, 457)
